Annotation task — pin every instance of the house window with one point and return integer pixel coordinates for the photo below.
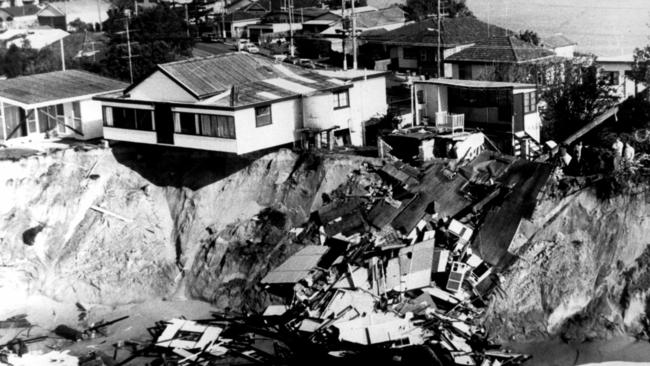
(76, 117)
(530, 102)
(410, 53)
(341, 99)
(209, 125)
(128, 118)
(420, 96)
(611, 77)
(186, 123)
(424, 55)
(465, 72)
(263, 116)
(217, 126)
(107, 113)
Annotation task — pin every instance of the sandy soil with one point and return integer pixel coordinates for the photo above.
(552, 353)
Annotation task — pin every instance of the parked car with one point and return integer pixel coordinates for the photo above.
(241, 43)
(251, 48)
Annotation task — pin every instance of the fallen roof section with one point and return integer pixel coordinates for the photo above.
(297, 266)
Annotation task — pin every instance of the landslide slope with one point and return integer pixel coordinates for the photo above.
(584, 269)
(171, 203)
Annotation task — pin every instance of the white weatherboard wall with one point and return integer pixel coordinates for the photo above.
(91, 119)
(205, 143)
(286, 117)
(367, 100)
(533, 125)
(137, 136)
(158, 87)
(435, 100)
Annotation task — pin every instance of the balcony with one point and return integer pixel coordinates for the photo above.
(450, 121)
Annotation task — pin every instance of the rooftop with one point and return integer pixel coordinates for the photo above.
(478, 84)
(557, 40)
(391, 15)
(37, 37)
(352, 74)
(501, 49)
(20, 11)
(358, 10)
(616, 59)
(455, 31)
(42, 88)
(51, 11)
(256, 79)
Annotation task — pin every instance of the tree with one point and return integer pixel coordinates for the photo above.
(18, 61)
(529, 36)
(157, 35)
(641, 68)
(574, 99)
(422, 9)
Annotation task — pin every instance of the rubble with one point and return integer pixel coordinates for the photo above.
(402, 261)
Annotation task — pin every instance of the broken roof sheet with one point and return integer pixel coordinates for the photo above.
(502, 222)
(297, 266)
(413, 212)
(415, 264)
(57, 85)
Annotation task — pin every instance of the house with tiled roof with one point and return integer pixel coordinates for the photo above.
(414, 47)
(240, 103)
(495, 57)
(560, 45)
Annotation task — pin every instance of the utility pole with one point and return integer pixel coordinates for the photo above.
(187, 20)
(345, 55)
(223, 23)
(439, 57)
(354, 38)
(289, 7)
(128, 44)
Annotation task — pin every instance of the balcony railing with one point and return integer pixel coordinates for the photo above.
(450, 121)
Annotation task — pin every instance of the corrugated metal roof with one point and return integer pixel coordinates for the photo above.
(204, 77)
(57, 85)
(478, 84)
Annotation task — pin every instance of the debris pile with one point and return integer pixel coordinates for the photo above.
(406, 260)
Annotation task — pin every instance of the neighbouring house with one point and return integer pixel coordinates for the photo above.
(53, 17)
(277, 21)
(57, 103)
(368, 20)
(36, 38)
(615, 70)
(234, 24)
(252, 6)
(19, 16)
(9, 3)
(240, 103)
(505, 112)
(414, 47)
(502, 58)
(560, 45)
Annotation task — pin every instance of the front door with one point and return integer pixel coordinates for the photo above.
(164, 123)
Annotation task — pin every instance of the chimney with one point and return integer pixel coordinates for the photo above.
(234, 95)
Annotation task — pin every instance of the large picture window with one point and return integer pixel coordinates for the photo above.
(204, 125)
(263, 116)
(341, 99)
(128, 118)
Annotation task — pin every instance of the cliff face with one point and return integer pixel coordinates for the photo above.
(175, 203)
(583, 272)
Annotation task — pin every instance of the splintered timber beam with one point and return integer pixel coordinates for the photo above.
(109, 213)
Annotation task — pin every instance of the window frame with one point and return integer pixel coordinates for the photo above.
(530, 102)
(414, 53)
(223, 123)
(337, 97)
(263, 123)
